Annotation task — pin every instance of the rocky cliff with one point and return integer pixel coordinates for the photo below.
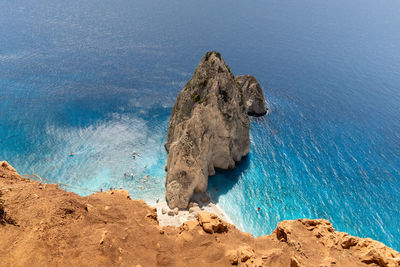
(255, 101)
(209, 127)
(42, 225)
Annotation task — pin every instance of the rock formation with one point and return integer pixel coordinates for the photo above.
(255, 101)
(209, 128)
(51, 227)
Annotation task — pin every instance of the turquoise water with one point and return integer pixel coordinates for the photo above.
(99, 78)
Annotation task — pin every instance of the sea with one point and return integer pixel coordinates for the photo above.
(99, 78)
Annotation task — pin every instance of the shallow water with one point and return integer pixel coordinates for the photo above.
(99, 79)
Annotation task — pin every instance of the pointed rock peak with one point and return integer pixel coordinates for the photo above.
(211, 65)
(212, 58)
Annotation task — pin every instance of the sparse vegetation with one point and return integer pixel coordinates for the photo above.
(196, 98)
(237, 85)
(203, 82)
(204, 99)
(208, 54)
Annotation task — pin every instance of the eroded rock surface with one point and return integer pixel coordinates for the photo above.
(56, 228)
(209, 129)
(255, 101)
(318, 239)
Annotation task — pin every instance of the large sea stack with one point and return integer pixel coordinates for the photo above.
(209, 129)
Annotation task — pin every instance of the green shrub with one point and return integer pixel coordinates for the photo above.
(196, 98)
(203, 82)
(204, 99)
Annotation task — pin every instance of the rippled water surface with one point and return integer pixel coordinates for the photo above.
(99, 79)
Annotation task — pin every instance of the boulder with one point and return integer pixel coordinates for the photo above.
(242, 254)
(211, 223)
(176, 211)
(7, 166)
(171, 213)
(164, 210)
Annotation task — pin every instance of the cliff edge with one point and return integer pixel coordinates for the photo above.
(42, 225)
(209, 127)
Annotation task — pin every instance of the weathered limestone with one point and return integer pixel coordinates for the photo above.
(211, 223)
(317, 238)
(209, 128)
(255, 101)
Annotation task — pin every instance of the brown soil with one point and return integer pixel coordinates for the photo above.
(42, 225)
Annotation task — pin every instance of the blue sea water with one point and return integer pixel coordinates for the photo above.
(99, 78)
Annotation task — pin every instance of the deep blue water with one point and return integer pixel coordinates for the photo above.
(99, 78)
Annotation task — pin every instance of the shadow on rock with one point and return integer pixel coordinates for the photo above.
(224, 181)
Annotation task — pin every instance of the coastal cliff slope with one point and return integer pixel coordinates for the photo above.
(209, 129)
(42, 225)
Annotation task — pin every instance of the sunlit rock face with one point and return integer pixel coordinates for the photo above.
(255, 101)
(209, 129)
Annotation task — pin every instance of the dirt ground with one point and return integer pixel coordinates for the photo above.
(42, 225)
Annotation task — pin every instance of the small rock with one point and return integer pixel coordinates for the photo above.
(103, 236)
(152, 216)
(208, 228)
(349, 242)
(204, 199)
(163, 210)
(246, 253)
(193, 209)
(176, 211)
(7, 166)
(171, 213)
(211, 223)
(232, 257)
(294, 262)
(204, 217)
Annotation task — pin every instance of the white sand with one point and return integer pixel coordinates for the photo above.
(187, 215)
